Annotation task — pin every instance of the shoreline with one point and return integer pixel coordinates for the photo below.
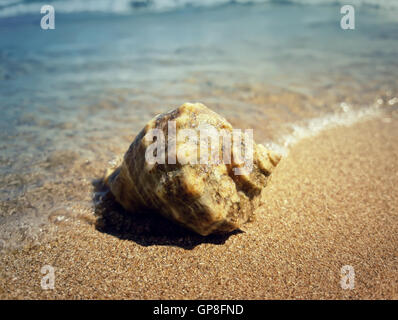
(331, 202)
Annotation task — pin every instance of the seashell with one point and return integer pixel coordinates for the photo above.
(176, 167)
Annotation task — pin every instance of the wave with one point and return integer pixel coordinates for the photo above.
(12, 8)
(313, 127)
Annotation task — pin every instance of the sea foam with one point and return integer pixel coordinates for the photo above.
(12, 8)
(314, 126)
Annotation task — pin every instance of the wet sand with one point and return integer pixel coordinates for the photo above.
(331, 202)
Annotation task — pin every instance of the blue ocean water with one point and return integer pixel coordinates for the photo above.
(71, 99)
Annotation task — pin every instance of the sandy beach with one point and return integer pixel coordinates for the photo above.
(331, 202)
